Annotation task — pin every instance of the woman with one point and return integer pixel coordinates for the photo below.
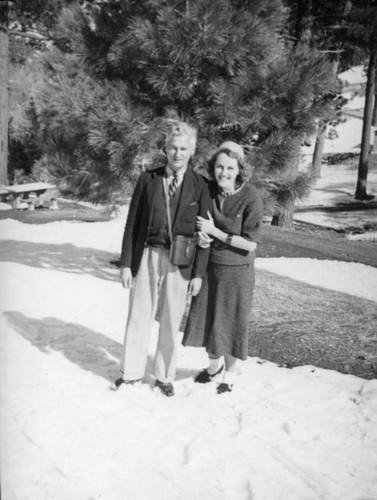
(219, 316)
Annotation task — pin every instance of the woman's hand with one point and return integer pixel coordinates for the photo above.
(206, 225)
(204, 241)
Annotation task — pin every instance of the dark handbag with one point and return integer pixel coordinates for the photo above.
(182, 250)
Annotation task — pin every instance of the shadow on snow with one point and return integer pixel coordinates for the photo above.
(89, 350)
(61, 257)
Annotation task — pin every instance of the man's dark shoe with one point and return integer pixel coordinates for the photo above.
(167, 389)
(204, 377)
(224, 388)
(119, 381)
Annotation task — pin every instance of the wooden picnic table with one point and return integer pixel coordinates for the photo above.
(30, 192)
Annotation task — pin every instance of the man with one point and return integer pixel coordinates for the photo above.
(145, 263)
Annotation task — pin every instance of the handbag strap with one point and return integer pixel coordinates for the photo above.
(168, 211)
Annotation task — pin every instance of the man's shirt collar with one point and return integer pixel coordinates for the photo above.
(169, 172)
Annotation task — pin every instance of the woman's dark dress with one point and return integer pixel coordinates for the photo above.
(219, 315)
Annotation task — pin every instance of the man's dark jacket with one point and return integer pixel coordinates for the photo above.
(194, 200)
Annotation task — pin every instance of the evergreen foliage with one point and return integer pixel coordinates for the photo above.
(361, 28)
(120, 72)
(30, 26)
(24, 139)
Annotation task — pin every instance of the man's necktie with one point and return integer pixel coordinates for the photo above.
(173, 184)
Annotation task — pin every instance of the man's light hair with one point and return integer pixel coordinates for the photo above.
(181, 129)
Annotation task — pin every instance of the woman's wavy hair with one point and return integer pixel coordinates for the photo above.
(244, 168)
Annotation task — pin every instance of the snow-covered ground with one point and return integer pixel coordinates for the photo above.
(337, 185)
(282, 434)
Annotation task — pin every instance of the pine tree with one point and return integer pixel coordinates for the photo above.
(225, 66)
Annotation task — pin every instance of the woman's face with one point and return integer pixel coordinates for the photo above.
(226, 171)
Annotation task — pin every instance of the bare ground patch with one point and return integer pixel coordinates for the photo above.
(295, 324)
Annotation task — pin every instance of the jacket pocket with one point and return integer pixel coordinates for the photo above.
(191, 211)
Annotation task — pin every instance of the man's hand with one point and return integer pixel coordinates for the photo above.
(126, 277)
(194, 286)
(204, 241)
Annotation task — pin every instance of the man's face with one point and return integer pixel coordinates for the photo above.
(179, 150)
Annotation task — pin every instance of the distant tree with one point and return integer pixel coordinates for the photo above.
(363, 31)
(347, 30)
(320, 24)
(365, 150)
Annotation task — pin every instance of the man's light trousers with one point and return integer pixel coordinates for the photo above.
(159, 285)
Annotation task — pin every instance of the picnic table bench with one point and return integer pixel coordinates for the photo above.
(31, 193)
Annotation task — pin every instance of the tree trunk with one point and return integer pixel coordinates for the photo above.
(361, 186)
(374, 118)
(318, 149)
(284, 218)
(4, 83)
(321, 133)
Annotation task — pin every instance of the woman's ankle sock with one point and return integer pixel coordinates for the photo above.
(228, 377)
(214, 365)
